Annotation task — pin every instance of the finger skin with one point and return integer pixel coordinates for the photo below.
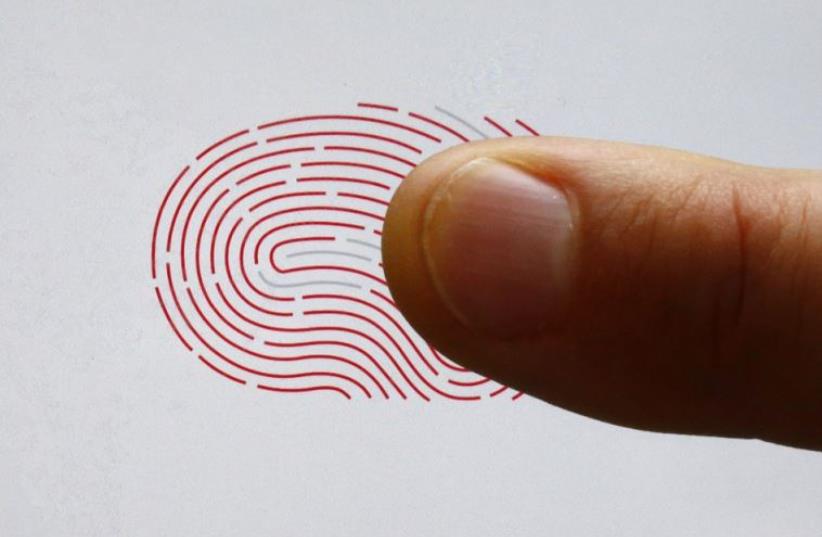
(696, 301)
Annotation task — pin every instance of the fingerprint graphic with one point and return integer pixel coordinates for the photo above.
(265, 256)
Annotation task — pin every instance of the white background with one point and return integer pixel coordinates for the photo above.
(108, 427)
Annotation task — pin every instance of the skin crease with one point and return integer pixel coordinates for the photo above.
(695, 302)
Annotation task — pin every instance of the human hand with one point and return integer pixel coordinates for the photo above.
(646, 287)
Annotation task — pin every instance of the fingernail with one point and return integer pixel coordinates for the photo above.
(497, 242)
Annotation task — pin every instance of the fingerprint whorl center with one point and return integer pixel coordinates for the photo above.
(265, 256)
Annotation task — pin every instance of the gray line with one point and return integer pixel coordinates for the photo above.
(330, 252)
(303, 284)
(366, 244)
(457, 118)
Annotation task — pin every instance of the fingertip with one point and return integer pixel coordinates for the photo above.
(475, 258)
(404, 263)
(656, 272)
(463, 272)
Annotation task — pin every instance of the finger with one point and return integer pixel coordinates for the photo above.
(646, 287)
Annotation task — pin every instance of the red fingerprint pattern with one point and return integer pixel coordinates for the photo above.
(265, 256)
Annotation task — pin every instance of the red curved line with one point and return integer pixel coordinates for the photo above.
(284, 375)
(225, 320)
(348, 346)
(218, 312)
(216, 201)
(194, 208)
(263, 156)
(311, 389)
(213, 328)
(372, 340)
(274, 328)
(499, 127)
(377, 232)
(344, 180)
(264, 356)
(385, 314)
(357, 366)
(221, 355)
(336, 358)
(221, 142)
(205, 219)
(289, 241)
(362, 351)
(356, 348)
(177, 303)
(220, 371)
(353, 347)
(320, 374)
(157, 221)
(215, 351)
(228, 210)
(188, 323)
(361, 197)
(302, 239)
(308, 343)
(399, 348)
(379, 106)
(262, 172)
(170, 322)
(197, 202)
(527, 127)
(369, 151)
(327, 208)
(382, 296)
(436, 354)
(211, 348)
(200, 273)
(447, 363)
(386, 139)
(469, 383)
(398, 325)
(242, 251)
(188, 223)
(284, 196)
(191, 187)
(273, 230)
(498, 391)
(517, 396)
(191, 327)
(438, 124)
(368, 355)
(254, 353)
(336, 117)
(297, 375)
(305, 239)
(348, 164)
(248, 280)
(234, 284)
(240, 315)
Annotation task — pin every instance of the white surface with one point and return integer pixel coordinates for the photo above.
(108, 427)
